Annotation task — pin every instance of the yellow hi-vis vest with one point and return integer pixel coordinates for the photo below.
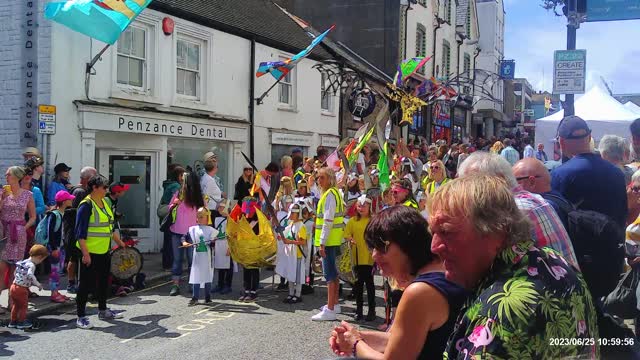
(100, 227)
(299, 173)
(335, 235)
(410, 203)
(432, 185)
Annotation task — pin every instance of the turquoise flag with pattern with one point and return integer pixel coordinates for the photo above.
(102, 20)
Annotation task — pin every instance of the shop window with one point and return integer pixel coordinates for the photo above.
(457, 133)
(286, 89)
(188, 67)
(189, 153)
(326, 100)
(132, 57)
(279, 150)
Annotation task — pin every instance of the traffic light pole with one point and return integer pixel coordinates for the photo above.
(572, 25)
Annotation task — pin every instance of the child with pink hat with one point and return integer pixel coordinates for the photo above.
(54, 244)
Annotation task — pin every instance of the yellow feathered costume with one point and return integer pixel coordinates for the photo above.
(249, 249)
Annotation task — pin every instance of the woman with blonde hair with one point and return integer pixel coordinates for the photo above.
(497, 147)
(287, 166)
(14, 203)
(328, 238)
(284, 197)
(438, 175)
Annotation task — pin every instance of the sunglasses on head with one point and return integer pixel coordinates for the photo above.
(380, 245)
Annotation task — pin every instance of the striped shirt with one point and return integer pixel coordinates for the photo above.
(511, 155)
(547, 228)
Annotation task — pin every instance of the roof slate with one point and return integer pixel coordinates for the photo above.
(258, 19)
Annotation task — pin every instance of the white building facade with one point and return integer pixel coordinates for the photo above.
(447, 31)
(488, 119)
(158, 97)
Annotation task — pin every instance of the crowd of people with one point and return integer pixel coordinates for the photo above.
(71, 230)
(508, 254)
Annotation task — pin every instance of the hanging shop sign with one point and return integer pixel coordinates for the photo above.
(361, 103)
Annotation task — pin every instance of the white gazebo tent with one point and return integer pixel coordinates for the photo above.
(633, 107)
(604, 114)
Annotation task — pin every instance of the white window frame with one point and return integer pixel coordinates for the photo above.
(291, 105)
(203, 37)
(329, 110)
(148, 92)
(201, 46)
(129, 56)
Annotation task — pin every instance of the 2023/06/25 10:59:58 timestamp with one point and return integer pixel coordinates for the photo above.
(591, 341)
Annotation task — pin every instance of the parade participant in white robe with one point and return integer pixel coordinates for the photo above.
(222, 256)
(199, 238)
(291, 264)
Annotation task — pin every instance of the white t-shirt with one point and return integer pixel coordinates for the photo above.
(528, 152)
(211, 189)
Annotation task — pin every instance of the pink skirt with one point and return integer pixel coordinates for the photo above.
(15, 241)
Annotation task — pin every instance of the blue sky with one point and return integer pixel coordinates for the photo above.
(532, 34)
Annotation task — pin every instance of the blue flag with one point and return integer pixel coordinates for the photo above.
(102, 20)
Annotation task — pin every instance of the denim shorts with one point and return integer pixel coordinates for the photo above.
(329, 266)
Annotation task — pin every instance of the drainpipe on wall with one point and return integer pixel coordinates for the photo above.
(439, 22)
(435, 36)
(252, 106)
(406, 29)
(473, 85)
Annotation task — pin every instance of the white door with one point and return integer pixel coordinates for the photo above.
(137, 206)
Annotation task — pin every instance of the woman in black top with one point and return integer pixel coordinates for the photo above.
(401, 246)
(243, 186)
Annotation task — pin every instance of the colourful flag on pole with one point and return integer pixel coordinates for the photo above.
(383, 167)
(353, 156)
(333, 161)
(280, 69)
(102, 20)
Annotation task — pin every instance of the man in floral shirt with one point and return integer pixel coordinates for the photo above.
(527, 302)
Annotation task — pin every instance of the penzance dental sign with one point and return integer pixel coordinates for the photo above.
(150, 126)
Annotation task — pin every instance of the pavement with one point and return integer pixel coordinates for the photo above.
(157, 326)
(152, 267)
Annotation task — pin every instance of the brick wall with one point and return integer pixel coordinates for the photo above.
(10, 40)
(10, 72)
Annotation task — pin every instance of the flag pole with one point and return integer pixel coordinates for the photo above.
(89, 66)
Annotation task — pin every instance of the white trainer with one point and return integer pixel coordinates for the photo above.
(336, 308)
(324, 315)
